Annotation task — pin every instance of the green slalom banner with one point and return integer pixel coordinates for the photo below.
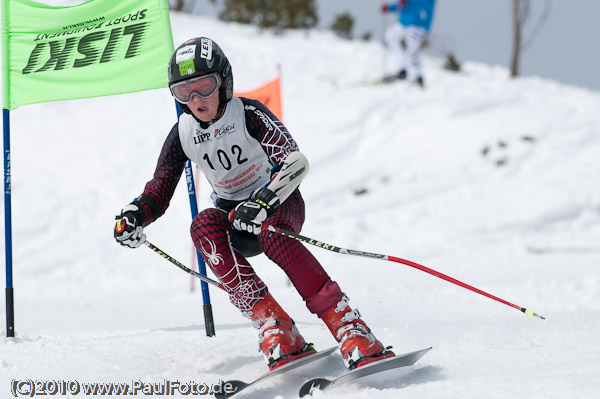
(97, 48)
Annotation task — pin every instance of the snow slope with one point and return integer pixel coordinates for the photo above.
(491, 181)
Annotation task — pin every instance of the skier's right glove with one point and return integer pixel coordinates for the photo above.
(129, 228)
(249, 215)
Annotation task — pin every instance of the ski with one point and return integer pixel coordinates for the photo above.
(407, 359)
(237, 386)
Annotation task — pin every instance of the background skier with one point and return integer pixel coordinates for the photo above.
(413, 25)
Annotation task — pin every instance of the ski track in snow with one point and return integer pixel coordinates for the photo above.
(489, 180)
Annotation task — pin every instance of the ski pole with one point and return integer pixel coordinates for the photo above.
(529, 312)
(182, 266)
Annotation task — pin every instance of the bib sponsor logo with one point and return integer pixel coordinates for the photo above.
(201, 137)
(221, 132)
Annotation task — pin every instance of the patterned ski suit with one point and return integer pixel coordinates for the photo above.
(236, 154)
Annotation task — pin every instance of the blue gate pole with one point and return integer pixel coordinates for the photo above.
(10, 305)
(208, 314)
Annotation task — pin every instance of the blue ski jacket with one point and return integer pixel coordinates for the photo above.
(414, 12)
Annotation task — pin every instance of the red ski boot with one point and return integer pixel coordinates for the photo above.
(356, 341)
(278, 339)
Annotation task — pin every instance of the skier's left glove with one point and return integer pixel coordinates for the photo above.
(250, 215)
(129, 228)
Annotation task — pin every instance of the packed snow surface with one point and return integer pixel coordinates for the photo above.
(492, 181)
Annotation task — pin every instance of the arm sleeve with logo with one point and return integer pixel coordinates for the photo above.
(272, 134)
(280, 147)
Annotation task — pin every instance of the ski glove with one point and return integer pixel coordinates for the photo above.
(250, 215)
(129, 229)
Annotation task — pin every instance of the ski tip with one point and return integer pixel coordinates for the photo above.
(316, 384)
(531, 313)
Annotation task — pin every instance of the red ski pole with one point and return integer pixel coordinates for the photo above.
(320, 244)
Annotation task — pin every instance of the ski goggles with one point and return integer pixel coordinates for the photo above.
(202, 86)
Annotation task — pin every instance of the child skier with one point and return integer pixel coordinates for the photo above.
(254, 167)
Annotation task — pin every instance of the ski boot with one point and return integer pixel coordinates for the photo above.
(278, 339)
(356, 341)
